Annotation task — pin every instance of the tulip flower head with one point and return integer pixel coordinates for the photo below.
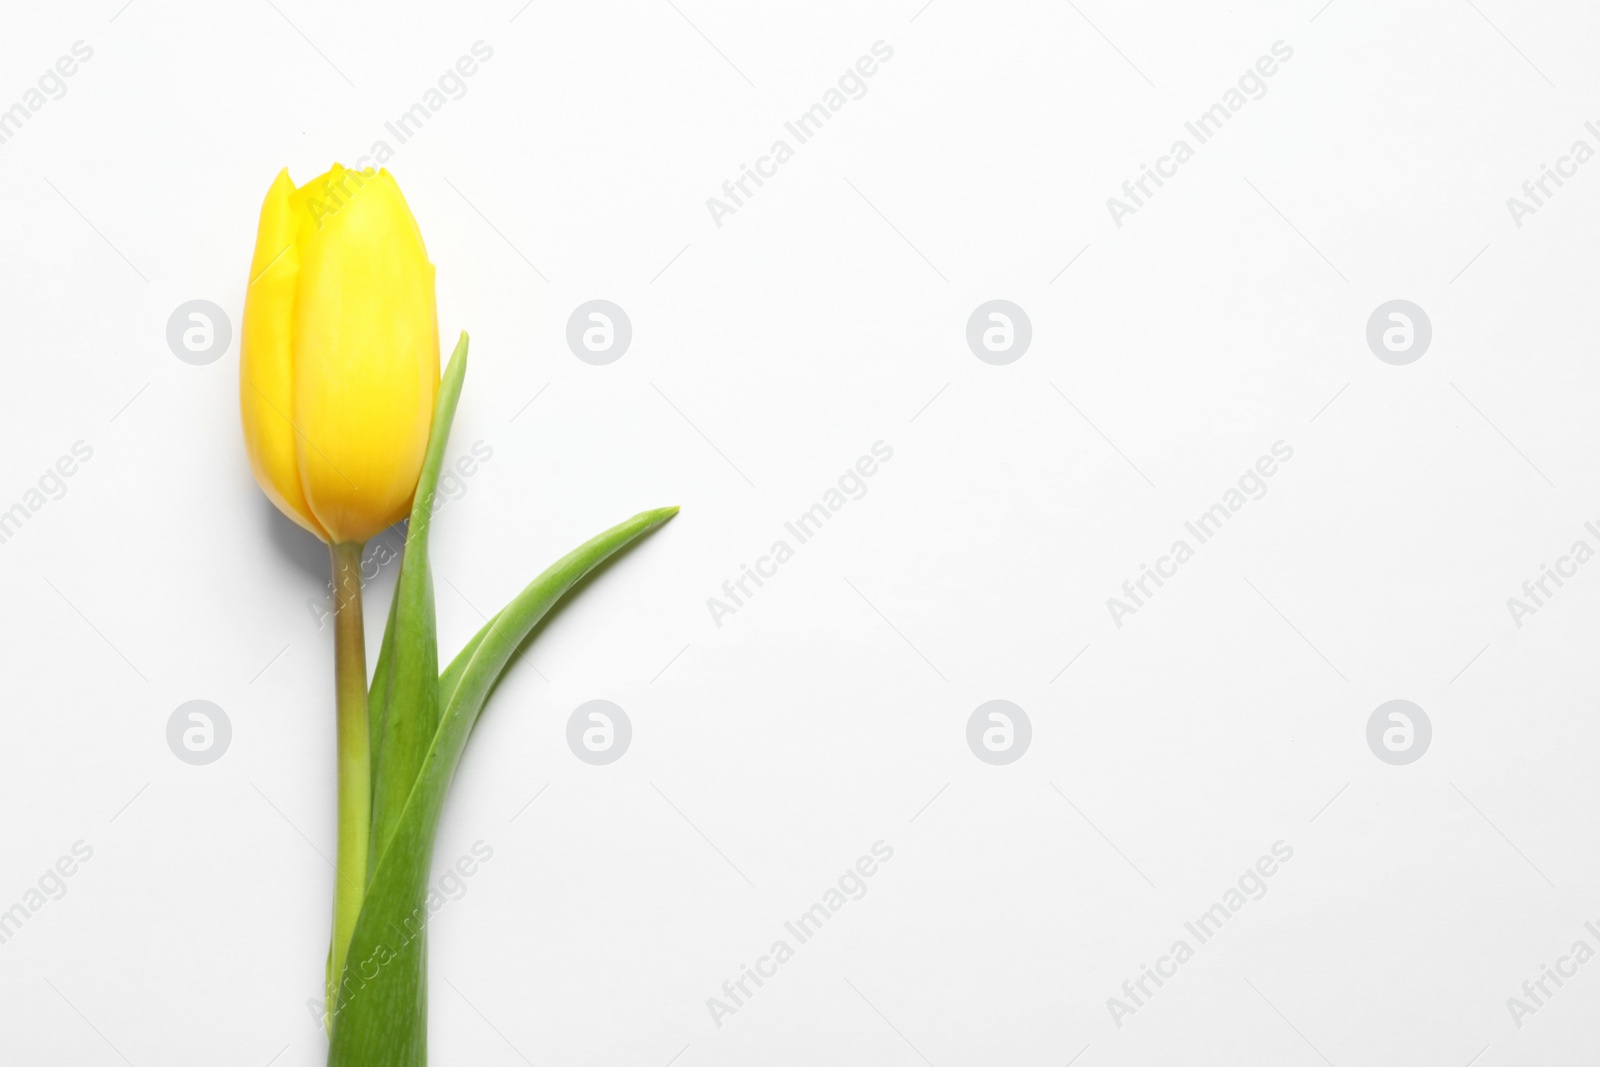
(339, 356)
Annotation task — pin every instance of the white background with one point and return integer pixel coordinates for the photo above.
(830, 711)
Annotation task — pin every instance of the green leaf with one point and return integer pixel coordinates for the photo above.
(500, 638)
(378, 695)
(382, 1016)
(411, 704)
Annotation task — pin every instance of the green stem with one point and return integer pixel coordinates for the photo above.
(355, 759)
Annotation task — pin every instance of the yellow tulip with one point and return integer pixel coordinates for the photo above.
(339, 355)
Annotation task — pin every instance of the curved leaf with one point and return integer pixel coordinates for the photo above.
(411, 705)
(382, 1014)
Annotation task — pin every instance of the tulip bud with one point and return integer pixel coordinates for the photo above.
(339, 355)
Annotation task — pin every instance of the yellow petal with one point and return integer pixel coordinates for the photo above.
(365, 363)
(266, 358)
